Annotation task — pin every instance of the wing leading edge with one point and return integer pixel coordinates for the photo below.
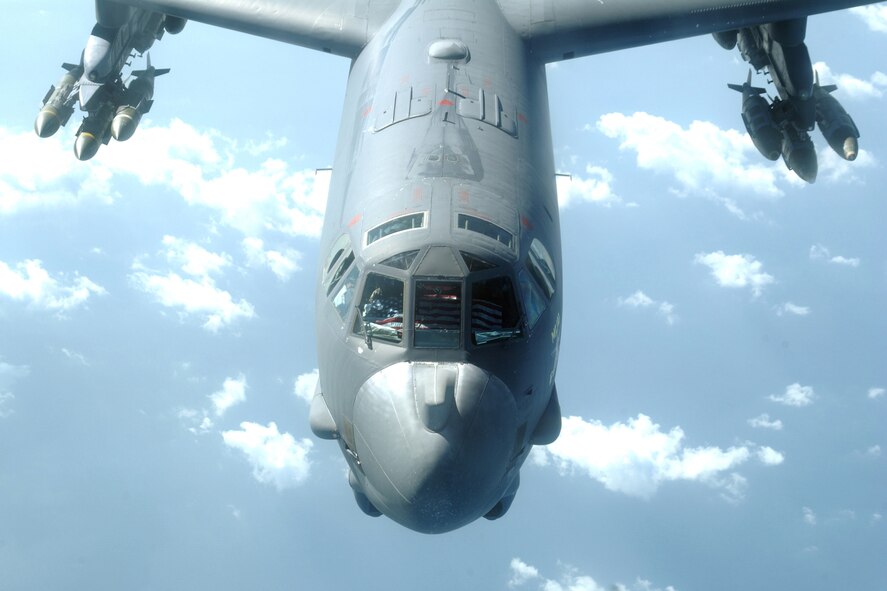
(563, 29)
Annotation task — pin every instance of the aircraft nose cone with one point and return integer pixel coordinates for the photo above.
(434, 441)
(47, 122)
(86, 146)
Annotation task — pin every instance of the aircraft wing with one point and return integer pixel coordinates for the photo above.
(564, 29)
(341, 27)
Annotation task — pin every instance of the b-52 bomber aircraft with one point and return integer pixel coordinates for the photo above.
(439, 291)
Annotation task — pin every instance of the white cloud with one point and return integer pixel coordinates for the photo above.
(736, 270)
(521, 572)
(197, 421)
(818, 252)
(571, 580)
(876, 517)
(763, 422)
(809, 516)
(851, 86)
(594, 188)
(193, 298)
(641, 300)
(701, 158)
(10, 372)
(876, 393)
(770, 456)
(37, 173)
(206, 168)
(75, 356)
(277, 458)
(874, 451)
(636, 457)
(874, 16)
(795, 395)
(834, 168)
(29, 282)
(282, 263)
(193, 259)
(793, 309)
(233, 392)
(305, 385)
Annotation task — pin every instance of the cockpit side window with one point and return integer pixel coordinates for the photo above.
(338, 249)
(534, 301)
(489, 229)
(401, 261)
(399, 224)
(343, 266)
(495, 315)
(343, 297)
(541, 265)
(381, 309)
(438, 314)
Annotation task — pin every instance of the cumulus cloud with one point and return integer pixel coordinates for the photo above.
(764, 422)
(193, 259)
(736, 270)
(305, 385)
(197, 295)
(233, 392)
(795, 395)
(851, 86)
(276, 458)
(571, 580)
(792, 309)
(193, 298)
(874, 16)
(196, 421)
(876, 393)
(874, 451)
(283, 263)
(701, 158)
(595, 187)
(809, 516)
(636, 457)
(206, 168)
(30, 283)
(769, 456)
(521, 572)
(641, 300)
(818, 252)
(37, 173)
(835, 169)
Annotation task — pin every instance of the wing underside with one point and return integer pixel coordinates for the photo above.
(563, 29)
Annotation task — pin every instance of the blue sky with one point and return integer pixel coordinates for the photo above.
(722, 372)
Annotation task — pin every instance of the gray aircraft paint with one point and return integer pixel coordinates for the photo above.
(446, 114)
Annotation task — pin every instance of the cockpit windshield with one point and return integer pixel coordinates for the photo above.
(438, 313)
(381, 309)
(495, 315)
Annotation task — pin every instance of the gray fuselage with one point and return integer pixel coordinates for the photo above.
(438, 338)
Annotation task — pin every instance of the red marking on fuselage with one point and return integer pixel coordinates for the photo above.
(522, 118)
(526, 223)
(354, 220)
(366, 111)
(446, 103)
